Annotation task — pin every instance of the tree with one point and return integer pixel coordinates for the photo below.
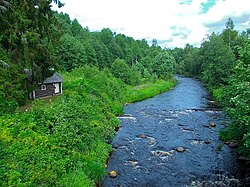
(229, 35)
(76, 29)
(59, 3)
(71, 53)
(122, 70)
(229, 24)
(164, 65)
(191, 61)
(237, 100)
(106, 36)
(63, 23)
(217, 61)
(103, 56)
(28, 34)
(4, 6)
(121, 40)
(178, 54)
(154, 42)
(12, 84)
(30, 40)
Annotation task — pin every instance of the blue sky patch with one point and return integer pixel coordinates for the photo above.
(206, 6)
(188, 2)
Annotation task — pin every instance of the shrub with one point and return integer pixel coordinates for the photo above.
(52, 141)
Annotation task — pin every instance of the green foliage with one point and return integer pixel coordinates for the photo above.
(120, 69)
(54, 141)
(188, 61)
(76, 179)
(41, 40)
(218, 94)
(229, 35)
(216, 57)
(148, 90)
(64, 143)
(178, 54)
(71, 53)
(164, 65)
(103, 48)
(29, 40)
(4, 6)
(237, 99)
(12, 86)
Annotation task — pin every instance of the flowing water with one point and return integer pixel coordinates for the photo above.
(172, 140)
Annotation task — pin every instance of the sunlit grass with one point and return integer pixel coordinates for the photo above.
(148, 90)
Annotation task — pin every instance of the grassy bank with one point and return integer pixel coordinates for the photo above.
(148, 90)
(64, 142)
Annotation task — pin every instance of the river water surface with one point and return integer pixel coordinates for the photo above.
(146, 146)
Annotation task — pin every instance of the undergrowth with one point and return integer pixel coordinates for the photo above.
(65, 142)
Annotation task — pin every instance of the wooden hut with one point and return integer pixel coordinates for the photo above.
(50, 87)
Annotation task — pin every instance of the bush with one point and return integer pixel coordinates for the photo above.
(129, 75)
(52, 141)
(236, 101)
(65, 142)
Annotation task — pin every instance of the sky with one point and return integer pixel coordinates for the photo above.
(173, 23)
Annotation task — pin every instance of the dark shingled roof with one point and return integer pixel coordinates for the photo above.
(53, 79)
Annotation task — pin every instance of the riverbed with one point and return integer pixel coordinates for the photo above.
(172, 139)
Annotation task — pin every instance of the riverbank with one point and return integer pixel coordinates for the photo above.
(141, 92)
(65, 142)
(145, 91)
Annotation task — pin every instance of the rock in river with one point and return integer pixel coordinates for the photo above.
(180, 149)
(142, 136)
(207, 142)
(232, 145)
(113, 174)
(212, 124)
(162, 153)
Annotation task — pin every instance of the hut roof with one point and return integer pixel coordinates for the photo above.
(54, 78)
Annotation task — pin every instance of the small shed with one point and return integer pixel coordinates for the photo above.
(50, 87)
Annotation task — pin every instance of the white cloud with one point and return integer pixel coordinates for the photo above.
(160, 19)
(227, 8)
(247, 23)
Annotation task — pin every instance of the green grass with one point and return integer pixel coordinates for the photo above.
(76, 179)
(148, 90)
(47, 101)
(218, 94)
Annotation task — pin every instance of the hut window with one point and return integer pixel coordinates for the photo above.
(43, 87)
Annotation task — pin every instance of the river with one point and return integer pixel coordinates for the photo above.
(172, 139)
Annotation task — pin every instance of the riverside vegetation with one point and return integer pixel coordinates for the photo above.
(223, 64)
(64, 141)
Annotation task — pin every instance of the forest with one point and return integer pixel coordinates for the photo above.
(65, 141)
